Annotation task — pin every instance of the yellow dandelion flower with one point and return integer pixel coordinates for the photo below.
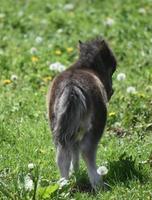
(34, 59)
(69, 49)
(58, 52)
(42, 151)
(141, 95)
(71, 14)
(111, 114)
(7, 81)
(47, 78)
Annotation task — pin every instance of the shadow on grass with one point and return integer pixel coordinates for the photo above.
(122, 170)
(82, 183)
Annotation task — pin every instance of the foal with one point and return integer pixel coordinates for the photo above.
(77, 107)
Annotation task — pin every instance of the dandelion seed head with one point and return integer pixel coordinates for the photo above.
(44, 21)
(38, 39)
(14, 77)
(131, 90)
(57, 67)
(20, 13)
(129, 45)
(121, 77)
(31, 166)
(62, 182)
(68, 7)
(117, 124)
(109, 22)
(1, 52)
(2, 15)
(141, 11)
(142, 53)
(102, 170)
(33, 50)
(60, 30)
(28, 183)
(149, 88)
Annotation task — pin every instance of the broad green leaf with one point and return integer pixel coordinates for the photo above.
(46, 192)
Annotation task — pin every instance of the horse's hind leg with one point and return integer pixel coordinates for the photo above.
(63, 160)
(75, 157)
(89, 148)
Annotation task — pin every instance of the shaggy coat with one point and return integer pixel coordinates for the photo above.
(77, 107)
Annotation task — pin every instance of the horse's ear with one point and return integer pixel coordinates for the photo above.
(104, 45)
(80, 42)
(80, 45)
(103, 42)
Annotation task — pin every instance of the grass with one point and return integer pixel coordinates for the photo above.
(25, 138)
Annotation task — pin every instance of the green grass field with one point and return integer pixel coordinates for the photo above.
(34, 34)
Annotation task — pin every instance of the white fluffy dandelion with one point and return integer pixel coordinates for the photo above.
(1, 52)
(20, 13)
(62, 182)
(109, 22)
(60, 30)
(28, 183)
(141, 11)
(121, 76)
(68, 7)
(57, 67)
(131, 90)
(2, 15)
(31, 166)
(38, 39)
(102, 170)
(149, 88)
(33, 50)
(117, 124)
(14, 77)
(44, 22)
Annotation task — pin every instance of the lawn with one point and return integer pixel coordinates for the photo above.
(33, 36)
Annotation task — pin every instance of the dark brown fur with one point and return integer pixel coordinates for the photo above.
(77, 100)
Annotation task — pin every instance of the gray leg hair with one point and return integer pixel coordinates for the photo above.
(89, 148)
(63, 160)
(75, 158)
